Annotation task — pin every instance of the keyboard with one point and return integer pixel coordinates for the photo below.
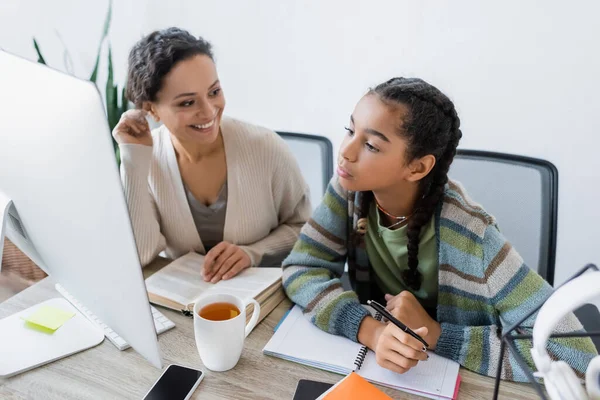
(161, 323)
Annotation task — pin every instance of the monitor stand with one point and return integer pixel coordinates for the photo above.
(24, 348)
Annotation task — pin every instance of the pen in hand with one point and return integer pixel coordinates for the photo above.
(381, 309)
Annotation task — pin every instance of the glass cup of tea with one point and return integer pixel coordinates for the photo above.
(220, 329)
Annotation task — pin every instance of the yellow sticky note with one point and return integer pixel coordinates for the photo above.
(49, 318)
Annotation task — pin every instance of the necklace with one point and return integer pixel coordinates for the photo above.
(399, 220)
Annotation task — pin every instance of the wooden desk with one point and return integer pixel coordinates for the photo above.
(104, 372)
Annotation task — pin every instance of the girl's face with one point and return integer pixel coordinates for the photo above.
(191, 102)
(373, 155)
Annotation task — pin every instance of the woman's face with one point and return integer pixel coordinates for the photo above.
(190, 102)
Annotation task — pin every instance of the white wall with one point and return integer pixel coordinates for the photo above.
(523, 74)
(75, 25)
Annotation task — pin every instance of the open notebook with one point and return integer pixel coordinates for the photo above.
(298, 340)
(179, 284)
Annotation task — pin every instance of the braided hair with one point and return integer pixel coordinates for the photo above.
(431, 126)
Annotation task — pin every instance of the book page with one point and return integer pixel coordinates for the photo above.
(248, 284)
(181, 281)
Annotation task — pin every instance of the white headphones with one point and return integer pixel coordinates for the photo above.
(559, 379)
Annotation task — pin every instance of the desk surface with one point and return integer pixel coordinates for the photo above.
(104, 372)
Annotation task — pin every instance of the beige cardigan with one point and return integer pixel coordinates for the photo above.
(267, 200)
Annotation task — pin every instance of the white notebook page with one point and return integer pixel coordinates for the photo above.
(300, 341)
(436, 376)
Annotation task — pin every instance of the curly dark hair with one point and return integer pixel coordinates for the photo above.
(431, 126)
(154, 56)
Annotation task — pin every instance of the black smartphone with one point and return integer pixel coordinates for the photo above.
(310, 390)
(175, 383)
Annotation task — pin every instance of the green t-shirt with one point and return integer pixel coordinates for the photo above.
(388, 255)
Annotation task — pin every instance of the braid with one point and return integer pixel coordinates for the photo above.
(432, 127)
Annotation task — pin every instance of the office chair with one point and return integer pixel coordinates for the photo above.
(315, 157)
(522, 193)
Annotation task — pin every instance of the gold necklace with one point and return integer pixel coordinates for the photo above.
(399, 220)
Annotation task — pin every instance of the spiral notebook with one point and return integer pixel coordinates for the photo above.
(298, 340)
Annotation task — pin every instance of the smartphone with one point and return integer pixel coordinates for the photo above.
(310, 390)
(175, 383)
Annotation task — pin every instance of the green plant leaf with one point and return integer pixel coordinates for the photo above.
(39, 53)
(67, 60)
(112, 94)
(94, 75)
(113, 107)
(124, 101)
(118, 155)
(110, 77)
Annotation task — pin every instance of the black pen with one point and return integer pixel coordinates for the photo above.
(381, 309)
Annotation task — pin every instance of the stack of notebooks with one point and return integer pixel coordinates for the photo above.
(178, 285)
(298, 340)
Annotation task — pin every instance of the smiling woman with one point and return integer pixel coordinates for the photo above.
(202, 181)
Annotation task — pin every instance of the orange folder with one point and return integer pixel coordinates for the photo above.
(354, 386)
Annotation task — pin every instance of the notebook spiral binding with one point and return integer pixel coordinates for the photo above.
(362, 353)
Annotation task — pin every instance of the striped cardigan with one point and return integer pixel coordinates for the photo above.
(484, 284)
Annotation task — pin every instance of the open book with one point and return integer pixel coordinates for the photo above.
(298, 340)
(179, 284)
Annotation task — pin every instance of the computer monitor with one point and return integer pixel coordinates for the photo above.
(58, 166)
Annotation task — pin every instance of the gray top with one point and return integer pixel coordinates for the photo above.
(209, 220)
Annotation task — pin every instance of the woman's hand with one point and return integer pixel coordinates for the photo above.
(224, 261)
(406, 308)
(133, 129)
